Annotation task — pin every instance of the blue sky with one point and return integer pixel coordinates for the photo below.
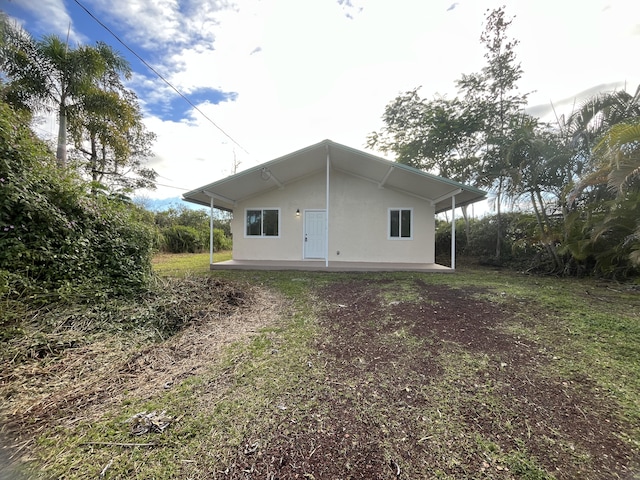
(50, 17)
(278, 75)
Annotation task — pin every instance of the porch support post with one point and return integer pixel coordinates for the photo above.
(211, 235)
(326, 220)
(453, 232)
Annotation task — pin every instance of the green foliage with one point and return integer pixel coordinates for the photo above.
(220, 240)
(578, 180)
(84, 84)
(195, 235)
(443, 238)
(439, 135)
(520, 241)
(605, 237)
(182, 239)
(57, 240)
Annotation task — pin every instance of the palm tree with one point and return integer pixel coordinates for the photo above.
(614, 226)
(597, 115)
(618, 155)
(48, 74)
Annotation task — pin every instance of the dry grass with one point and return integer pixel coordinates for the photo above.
(80, 368)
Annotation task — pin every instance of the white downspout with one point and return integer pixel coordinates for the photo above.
(211, 235)
(326, 223)
(453, 232)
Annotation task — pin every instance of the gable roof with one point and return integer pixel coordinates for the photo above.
(289, 168)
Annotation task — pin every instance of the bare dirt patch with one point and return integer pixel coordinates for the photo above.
(432, 387)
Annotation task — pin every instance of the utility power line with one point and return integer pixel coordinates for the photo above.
(160, 76)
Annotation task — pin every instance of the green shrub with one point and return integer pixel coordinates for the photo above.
(220, 240)
(182, 239)
(443, 238)
(56, 239)
(196, 238)
(520, 246)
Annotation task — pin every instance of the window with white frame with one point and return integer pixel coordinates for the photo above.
(400, 223)
(262, 222)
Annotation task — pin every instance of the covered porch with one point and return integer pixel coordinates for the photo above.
(332, 266)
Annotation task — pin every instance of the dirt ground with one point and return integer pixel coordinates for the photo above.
(384, 394)
(427, 386)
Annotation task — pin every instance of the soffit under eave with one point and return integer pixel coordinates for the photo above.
(311, 160)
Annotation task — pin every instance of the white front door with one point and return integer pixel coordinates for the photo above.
(315, 240)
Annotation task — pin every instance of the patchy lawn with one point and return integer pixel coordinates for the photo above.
(282, 375)
(180, 264)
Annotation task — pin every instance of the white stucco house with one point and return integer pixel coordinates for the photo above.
(332, 207)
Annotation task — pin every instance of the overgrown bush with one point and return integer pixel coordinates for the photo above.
(184, 230)
(220, 240)
(443, 239)
(518, 242)
(57, 240)
(182, 239)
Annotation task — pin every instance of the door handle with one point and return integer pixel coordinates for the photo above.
(305, 237)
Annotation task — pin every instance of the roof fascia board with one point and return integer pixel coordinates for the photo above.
(447, 206)
(207, 204)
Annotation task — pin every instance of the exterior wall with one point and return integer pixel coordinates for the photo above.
(307, 193)
(359, 213)
(358, 222)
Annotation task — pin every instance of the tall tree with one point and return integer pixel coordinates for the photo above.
(494, 90)
(536, 162)
(49, 74)
(108, 132)
(111, 142)
(436, 135)
(595, 117)
(618, 164)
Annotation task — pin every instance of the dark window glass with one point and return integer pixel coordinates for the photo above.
(405, 223)
(254, 222)
(400, 223)
(262, 223)
(270, 223)
(395, 223)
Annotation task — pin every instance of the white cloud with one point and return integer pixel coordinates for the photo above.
(322, 74)
(315, 69)
(150, 23)
(51, 17)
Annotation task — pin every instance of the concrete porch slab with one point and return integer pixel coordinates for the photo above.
(319, 266)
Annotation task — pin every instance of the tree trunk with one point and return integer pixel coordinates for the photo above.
(61, 151)
(467, 223)
(499, 220)
(544, 226)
